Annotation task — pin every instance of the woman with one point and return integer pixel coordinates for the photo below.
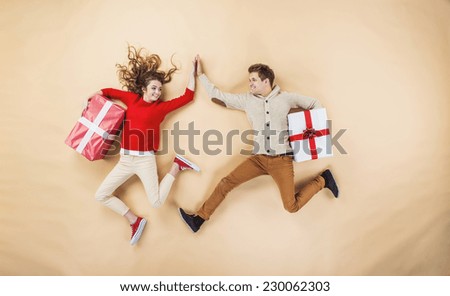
(141, 134)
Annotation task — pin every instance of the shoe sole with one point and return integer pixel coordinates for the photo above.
(138, 233)
(335, 184)
(182, 218)
(190, 163)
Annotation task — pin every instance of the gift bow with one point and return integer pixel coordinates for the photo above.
(310, 133)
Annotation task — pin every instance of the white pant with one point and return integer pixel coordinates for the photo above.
(145, 168)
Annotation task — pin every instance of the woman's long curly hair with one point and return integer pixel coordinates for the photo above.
(141, 69)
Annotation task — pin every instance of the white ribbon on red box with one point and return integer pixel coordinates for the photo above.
(94, 127)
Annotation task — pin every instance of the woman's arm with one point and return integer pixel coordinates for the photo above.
(191, 83)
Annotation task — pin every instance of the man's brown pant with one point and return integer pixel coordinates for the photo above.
(280, 168)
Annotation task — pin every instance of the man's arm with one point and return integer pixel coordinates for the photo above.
(218, 102)
(234, 101)
(306, 103)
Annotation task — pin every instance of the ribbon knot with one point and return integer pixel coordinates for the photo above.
(309, 133)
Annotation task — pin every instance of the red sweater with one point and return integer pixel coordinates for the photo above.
(141, 130)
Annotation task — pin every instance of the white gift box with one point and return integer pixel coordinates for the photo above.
(309, 134)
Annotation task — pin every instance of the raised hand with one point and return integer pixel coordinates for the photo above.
(198, 66)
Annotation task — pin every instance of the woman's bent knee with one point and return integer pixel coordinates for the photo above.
(101, 197)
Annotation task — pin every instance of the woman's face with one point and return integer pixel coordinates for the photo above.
(153, 91)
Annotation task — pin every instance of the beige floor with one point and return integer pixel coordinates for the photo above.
(381, 68)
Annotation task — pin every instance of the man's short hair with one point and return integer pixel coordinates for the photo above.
(263, 71)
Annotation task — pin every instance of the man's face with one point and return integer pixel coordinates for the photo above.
(257, 87)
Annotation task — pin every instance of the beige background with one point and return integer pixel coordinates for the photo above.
(381, 68)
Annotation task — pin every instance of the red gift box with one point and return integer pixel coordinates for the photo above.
(309, 134)
(100, 119)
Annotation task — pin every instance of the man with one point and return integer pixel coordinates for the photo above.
(267, 108)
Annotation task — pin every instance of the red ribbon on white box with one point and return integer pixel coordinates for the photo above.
(94, 127)
(310, 133)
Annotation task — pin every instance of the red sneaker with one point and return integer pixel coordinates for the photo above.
(136, 230)
(185, 164)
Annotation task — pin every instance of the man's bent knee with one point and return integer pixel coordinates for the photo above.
(291, 208)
